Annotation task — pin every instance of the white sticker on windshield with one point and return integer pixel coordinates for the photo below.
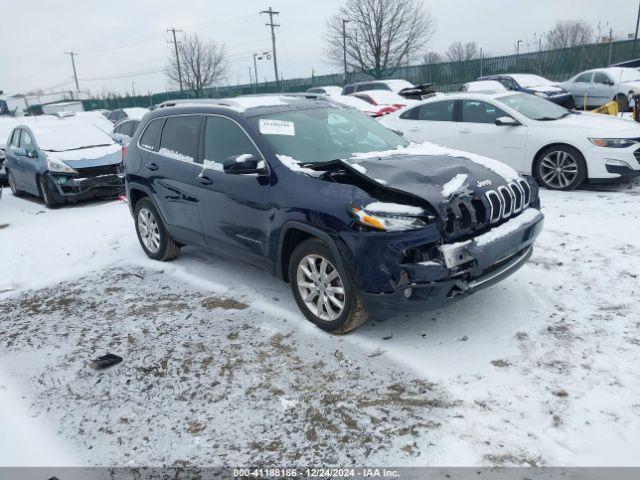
(276, 127)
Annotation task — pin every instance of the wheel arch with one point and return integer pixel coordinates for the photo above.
(292, 234)
(538, 156)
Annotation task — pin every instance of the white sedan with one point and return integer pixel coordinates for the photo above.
(562, 149)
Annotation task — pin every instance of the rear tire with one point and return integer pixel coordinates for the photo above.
(46, 194)
(12, 185)
(623, 102)
(560, 167)
(323, 290)
(152, 234)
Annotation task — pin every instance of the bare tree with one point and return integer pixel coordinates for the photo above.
(432, 57)
(569, 33)
(461, 52)
(202, 62)
(380, 34)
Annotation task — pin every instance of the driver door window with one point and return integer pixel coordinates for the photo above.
(27, 143)
(476, 111)
(224, 139)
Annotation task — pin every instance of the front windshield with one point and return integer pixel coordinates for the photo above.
(324, 134)
(533, 107)
(630, 75)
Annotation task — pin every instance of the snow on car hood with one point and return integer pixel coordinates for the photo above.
(597, 124)
(90, 157)
(433, 173)
(547, 89)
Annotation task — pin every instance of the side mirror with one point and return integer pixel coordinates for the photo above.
(20, 152)
(507, 122)
(244, 164)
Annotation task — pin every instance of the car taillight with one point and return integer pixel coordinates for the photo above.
(387, 110)
(124, 151)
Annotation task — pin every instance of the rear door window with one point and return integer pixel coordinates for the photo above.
(125, 129)
(223, 140)
(149, 139)
(349, 89)
(437, 111)
(180, 138)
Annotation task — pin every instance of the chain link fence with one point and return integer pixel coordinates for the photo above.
(557, 65)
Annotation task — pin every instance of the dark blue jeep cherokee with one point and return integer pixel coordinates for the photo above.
(358, 221)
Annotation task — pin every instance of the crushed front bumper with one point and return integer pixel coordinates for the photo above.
(67, 189)
(460, 270)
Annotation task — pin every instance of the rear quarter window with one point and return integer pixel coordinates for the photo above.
(149, 139)
(180, 137)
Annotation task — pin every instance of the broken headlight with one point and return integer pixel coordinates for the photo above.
(390, 217)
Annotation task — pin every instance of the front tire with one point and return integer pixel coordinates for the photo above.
(560, 167)
(153, 235)
(13, 186)
(45, 192)
(322, 289)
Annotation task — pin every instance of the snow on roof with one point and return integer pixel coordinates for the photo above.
(484, 86)
(135, 112)
(355, 102)
(529, 80)
(94, 118)
(68, 135)
(397, 84)
(383, 97)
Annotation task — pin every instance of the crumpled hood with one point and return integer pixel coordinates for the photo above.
(90, 157)
(434, 173)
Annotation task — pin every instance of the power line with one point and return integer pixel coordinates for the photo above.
(73, 54)
(271, 13)
(138, 73)
(175, 44)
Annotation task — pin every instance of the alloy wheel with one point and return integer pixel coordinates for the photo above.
(320, 287)
(558, 169)
(148, 230)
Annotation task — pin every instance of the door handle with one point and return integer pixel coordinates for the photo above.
(414, 129)
(466, 130)
(204, 180)
(151, 166)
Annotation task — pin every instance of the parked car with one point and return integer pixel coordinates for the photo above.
(135, 112)
(483, 86)
(561, 148)
(395, 86)
(383, 97)
(535, 85)
(123, 130)
(374, 111)
(594, 88)
(357, 221)
(63, 162)
(7, 124)
(332, 91)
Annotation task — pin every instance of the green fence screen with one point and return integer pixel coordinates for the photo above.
(556, 65)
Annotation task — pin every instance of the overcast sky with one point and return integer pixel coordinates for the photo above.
(123, 42)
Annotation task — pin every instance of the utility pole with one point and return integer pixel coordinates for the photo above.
(73, 54)
(255, 70)
(344, 48)
(271, 13)
(175, 44)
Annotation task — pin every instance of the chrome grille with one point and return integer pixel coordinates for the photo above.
(509, 200)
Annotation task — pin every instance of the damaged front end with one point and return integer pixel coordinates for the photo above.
(86, 182)
(417, 249)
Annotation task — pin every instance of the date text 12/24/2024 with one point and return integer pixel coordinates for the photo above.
(286, 473)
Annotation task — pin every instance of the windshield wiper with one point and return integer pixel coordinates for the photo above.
(77, 148)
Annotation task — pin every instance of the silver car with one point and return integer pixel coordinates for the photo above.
(594, 88)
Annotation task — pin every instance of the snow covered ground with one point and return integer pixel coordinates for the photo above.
(221, 368)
